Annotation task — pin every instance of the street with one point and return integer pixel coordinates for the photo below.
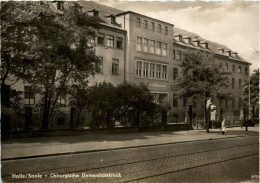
(222, 160)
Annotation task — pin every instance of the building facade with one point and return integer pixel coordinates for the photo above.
(138, 49)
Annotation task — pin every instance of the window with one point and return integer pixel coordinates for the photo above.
(153, 27)
(5, 95)
(138, 22)
(158, 48)
(91, 43)
(139, 44)
(119, 43)
(145, 24)
(159, 97)
(152, 46)
(159, 28)
(60, 120)
(101, 39)
(166, 30)
(184, 102)
(28, 95)
(60, 6)
(194, 103)
(226, 65)
(113, 20)
(99, 66)
(145, 69)
(233, 68)
(239, 69)
(158, 71)
(145, 45)
(62, 97)
(152, 70)
(239, 102)
(173, 54)
(175, 74)
(139, 68)
(164, 72)
(233, 103)
(175, 101)
(233, 83)
(115, 67)
(239, 83)
(246, 70)
(164, 49)
(226, 103)
(96, 13)
(110, 41)
(178, 55)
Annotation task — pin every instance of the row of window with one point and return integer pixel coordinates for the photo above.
(29, 96)
(239, 83)
(239, 70)
(110, 41)
(176, 54)
(151, 70)
(158, 97)
(151, 26)
(115, 66)
(151, 46)
(175, 102)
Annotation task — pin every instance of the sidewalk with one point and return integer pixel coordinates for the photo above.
(61, 145)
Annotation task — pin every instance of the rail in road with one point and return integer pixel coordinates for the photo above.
(153, 162)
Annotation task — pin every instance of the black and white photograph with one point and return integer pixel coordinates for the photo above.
(129, 91)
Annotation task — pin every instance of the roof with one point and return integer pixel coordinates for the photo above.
(213, 46)
(104, 12)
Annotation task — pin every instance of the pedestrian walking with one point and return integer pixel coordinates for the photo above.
(223, 126)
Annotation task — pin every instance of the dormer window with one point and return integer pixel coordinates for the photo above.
(178, 38)
(221, 50)
(234, 54)
(187, 40)
(112, 19)
(197, 43)
(228, 52)
(204, 45)
(60, 5)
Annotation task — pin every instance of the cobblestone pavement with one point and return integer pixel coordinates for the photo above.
(226, 160)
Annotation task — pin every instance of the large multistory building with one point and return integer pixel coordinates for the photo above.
(138, 49)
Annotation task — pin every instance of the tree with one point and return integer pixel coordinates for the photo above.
(47, 49)
(254, 91)
(109, 103)
(203, 78)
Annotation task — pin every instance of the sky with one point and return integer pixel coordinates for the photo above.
(234, 24)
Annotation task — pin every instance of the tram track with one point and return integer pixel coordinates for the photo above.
(193, 153)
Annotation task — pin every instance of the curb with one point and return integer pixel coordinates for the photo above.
(113, 149)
